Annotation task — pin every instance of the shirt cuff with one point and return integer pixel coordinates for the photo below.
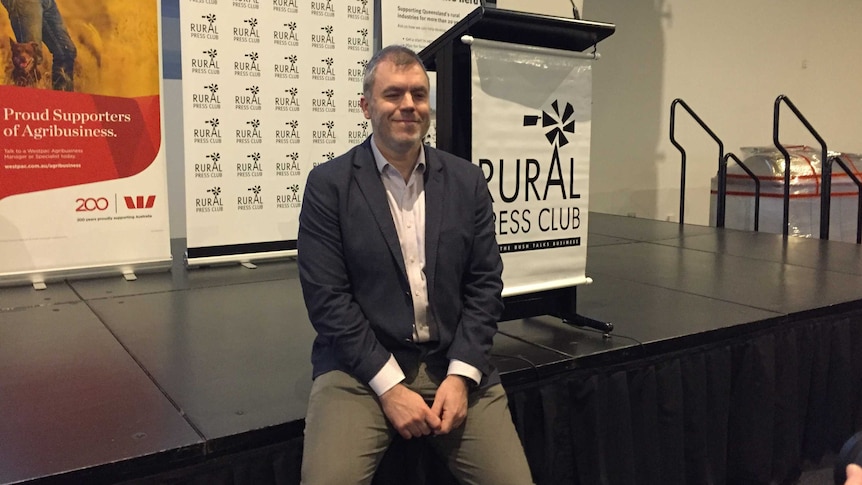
(461, 368)
(387, 377)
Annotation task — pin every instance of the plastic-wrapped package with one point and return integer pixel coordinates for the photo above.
(767, 163)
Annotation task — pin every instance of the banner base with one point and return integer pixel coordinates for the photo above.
(41, 278)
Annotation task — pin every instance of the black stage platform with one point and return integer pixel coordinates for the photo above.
(732, 361)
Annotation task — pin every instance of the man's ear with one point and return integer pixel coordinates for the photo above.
(363, 103)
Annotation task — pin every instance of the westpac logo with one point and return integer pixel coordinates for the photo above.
(210, 168)
(252, 4)
(206, 65)
(286, 36)
(322, 8)
(289, 198)
(325, 39)
(324, 104)
(359, 42)
(289, 134)
(289, 167)
(355, 74)
(358, 10)
(353, 105)
(211, 202)
(248, 66)
(252, 167)
(326, 136)
(286, 6)
(139, 201)
(252, 201)
(250, 134)
(204, 30)
(289, 102)
(326, 157)
(249, 101)
(248, 32)
(289, 69)
(207, 99)
(210, 133)
(359, 135)
(325, 71)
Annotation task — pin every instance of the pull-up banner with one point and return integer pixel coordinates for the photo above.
(82, 168)
(531, 137)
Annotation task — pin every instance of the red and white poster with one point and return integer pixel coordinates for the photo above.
(82, 168)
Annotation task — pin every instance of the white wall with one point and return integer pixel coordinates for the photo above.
(729, 60)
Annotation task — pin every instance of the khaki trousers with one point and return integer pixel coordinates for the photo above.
(346, 435)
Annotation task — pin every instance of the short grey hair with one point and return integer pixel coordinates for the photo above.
(399, 55)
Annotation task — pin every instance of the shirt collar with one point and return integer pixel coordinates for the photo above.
(382, 163)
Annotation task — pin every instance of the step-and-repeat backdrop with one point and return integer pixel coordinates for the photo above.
(270, 90)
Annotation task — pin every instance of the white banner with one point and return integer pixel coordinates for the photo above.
(83, 187)
(270, 90)
(417, 23)
(531, 136)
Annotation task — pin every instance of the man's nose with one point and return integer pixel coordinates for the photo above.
(407, 102)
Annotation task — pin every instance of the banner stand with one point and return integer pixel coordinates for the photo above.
(40, 279)
(451, 59)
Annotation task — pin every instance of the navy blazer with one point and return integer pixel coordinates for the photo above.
(353, 277)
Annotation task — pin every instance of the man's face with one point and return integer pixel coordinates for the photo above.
(398, 107)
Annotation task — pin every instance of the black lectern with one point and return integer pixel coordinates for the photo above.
(450, 58)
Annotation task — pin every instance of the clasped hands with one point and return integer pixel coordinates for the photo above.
(411, 417)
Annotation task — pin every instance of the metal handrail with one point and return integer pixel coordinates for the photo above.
(859, 202)
(756, 187)
(825, 169)
(722, 166)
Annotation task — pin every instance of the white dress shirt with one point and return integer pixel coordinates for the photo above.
(407, 205)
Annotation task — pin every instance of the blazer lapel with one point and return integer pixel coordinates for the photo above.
(368, 180)
(433, 215)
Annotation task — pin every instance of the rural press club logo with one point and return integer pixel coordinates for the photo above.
(355, 74)
(289, 134)
(290, 102)
(353, 105)
(210, 168)
(325, 39)
(359, 42)
(358, 135)
(289, 167)
(208, 133)
(322, 8)
(286, 36)
(206, 28)
(289, 198)
(289, 69)
(324, 136)
(249, 100)
(247, 32)
(206, 64)
(358, 10)
(326, 157)
(324, 103)
(248, 65)
(285, 6)
(252, 200)
(251, 167)
(324, 71)
(207, 97)
(250, 133)
(551, 193)
(250, 4)
(210, 201)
